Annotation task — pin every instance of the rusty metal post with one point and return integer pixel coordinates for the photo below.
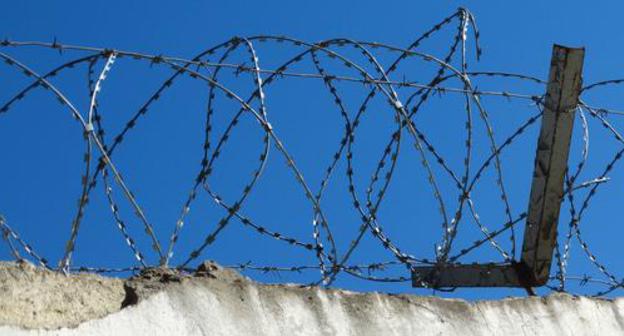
(551, 162)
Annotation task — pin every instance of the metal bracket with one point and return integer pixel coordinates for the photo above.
(551, 162)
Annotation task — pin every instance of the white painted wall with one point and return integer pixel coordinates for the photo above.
(206, 306)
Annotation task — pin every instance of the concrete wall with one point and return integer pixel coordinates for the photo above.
(220, 302)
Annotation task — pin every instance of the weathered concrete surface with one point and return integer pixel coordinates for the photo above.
(220, 302)
(35, 297)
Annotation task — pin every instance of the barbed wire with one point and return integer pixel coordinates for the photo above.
(334, 63)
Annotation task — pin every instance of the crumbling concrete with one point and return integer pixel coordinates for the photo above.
(216, 301)
(32, 297)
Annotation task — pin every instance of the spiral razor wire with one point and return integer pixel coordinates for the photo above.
(405, 99)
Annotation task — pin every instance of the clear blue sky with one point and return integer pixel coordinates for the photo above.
(41, 148)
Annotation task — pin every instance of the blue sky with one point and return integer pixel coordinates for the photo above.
(41, 148)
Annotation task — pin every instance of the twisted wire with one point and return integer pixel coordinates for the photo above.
(334, 63)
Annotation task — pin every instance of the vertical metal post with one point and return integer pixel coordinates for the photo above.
(551, 161)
